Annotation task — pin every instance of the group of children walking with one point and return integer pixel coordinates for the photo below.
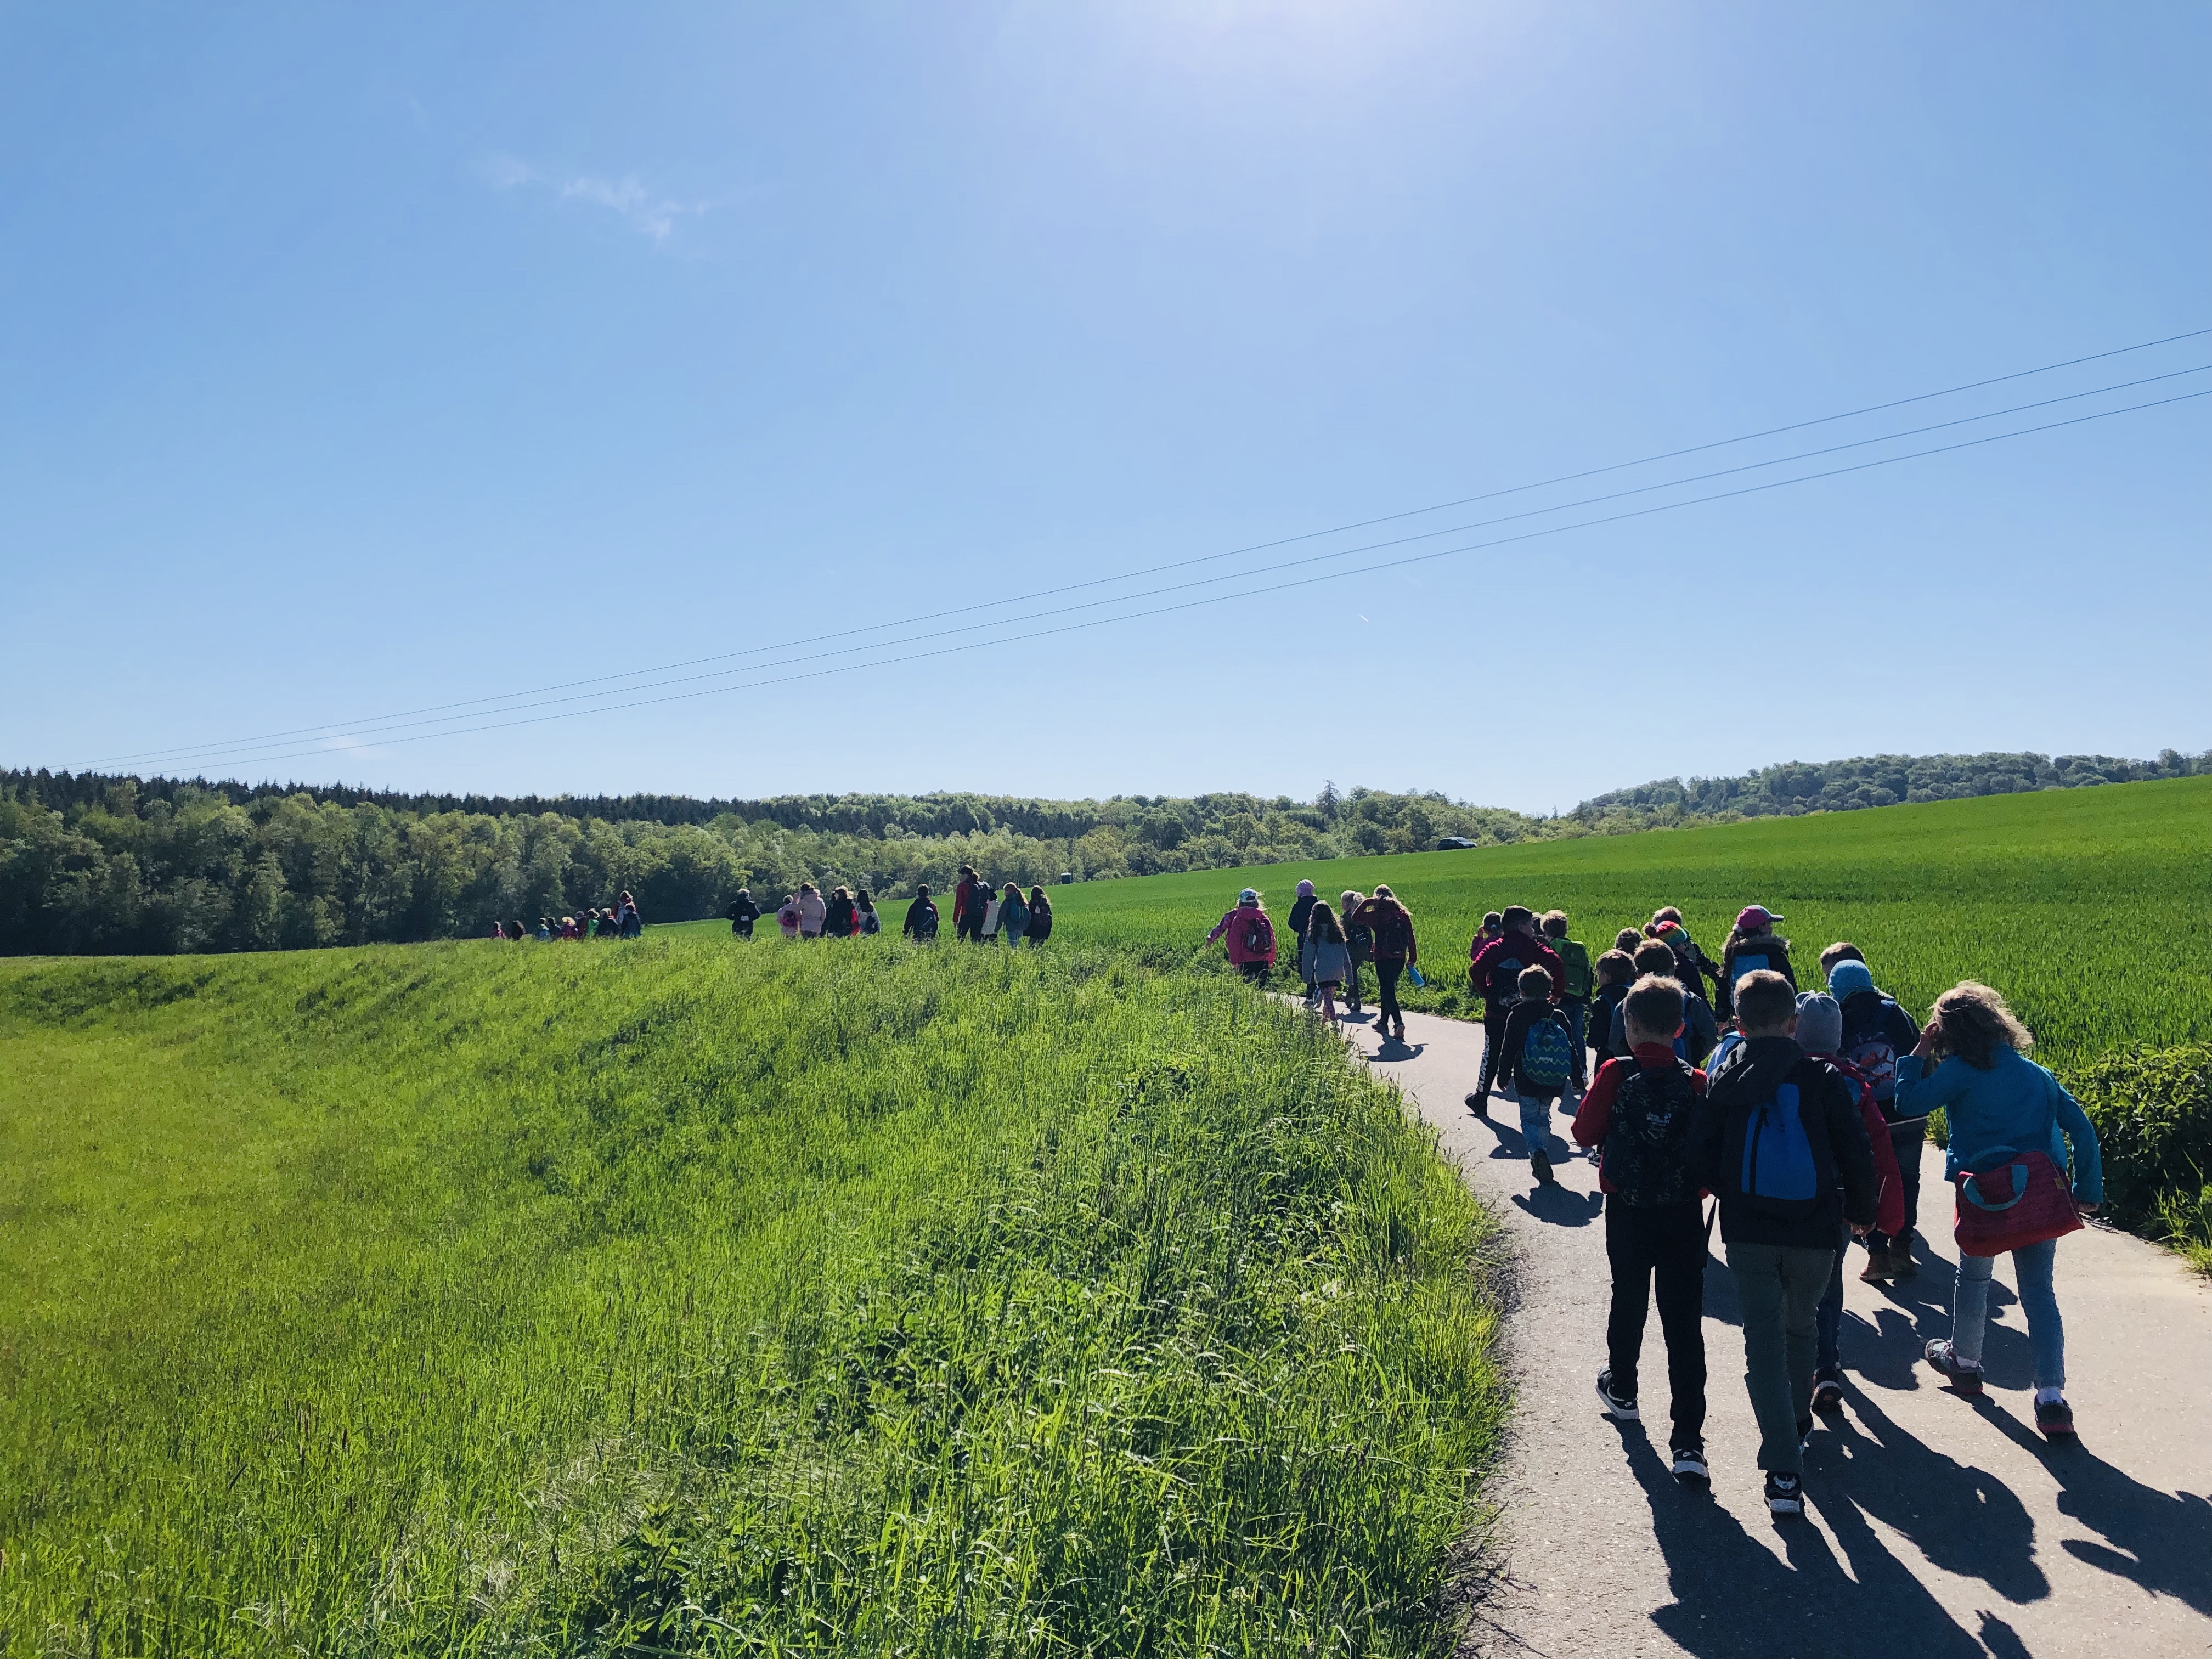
(1802, 1115)
(618, 920)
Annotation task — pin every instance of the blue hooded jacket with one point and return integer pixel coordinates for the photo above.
(2015, 1105)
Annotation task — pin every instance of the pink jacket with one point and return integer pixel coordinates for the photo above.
(1235, 924)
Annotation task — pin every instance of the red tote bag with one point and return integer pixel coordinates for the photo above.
(2016, 1199)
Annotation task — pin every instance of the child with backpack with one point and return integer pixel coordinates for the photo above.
(1616, 972)
(1250, 933)
(1699, 1031)
(1640, 1112)
(1695, 966)
(1752, 947)
(1876, 1035)
(1324, 958)
(1779, 1141)
(1494, 965)
(1821, 1034)
(1574, 988)
(1536, 1045)
(1302, 910)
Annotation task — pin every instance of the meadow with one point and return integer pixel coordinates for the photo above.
(2088, 908)
(679, 1296)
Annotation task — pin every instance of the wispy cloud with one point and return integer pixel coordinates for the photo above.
(644, 210)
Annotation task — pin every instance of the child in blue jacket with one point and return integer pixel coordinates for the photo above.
(1971, 1061)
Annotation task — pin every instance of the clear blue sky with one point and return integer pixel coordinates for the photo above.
(357, 359)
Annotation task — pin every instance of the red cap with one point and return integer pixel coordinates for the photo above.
(1755, 915)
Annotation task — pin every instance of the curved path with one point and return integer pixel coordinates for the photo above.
(1934, 1527)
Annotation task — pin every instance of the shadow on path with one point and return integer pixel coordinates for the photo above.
(1734, 1600)
(2160, 1541)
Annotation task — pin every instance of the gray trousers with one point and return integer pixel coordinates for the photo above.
(1778, 1288)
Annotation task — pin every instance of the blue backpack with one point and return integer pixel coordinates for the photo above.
(1781, 1176)
(1548, 1054)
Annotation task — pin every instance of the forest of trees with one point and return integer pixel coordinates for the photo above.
(91, 863)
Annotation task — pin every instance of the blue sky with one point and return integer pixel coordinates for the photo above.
(355, 361)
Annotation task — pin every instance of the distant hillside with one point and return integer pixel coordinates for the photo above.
(1800, 786)
(118, 864)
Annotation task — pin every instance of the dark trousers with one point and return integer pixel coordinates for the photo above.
(1906, 1140)
(1254, 970)
(1577, 1009)
(1352, 987)
(969, 927)
(1660, 1247)
(1385, 983)
(1493, 1033)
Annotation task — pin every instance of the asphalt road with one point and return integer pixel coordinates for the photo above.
(1935, 1526)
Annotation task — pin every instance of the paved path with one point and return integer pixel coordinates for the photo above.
(1934, 1527)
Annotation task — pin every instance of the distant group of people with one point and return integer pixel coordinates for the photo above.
(980, 912)
(1802, 1114)
(618, 920)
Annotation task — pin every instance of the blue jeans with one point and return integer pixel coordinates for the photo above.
(1535, 1121)
(1828, 1319)
(2032, 1266)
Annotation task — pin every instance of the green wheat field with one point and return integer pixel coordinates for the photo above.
(687, 1295)
(2091, 908)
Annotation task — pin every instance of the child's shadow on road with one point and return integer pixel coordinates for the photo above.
(1562, 1206)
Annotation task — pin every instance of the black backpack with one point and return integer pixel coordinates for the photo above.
(1601, 1026)
(1393, 937)
(1504, 982)
(925, 924)
(1646, 1156)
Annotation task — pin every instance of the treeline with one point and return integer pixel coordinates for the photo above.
(1845, 785)
(93, 863)
(130, 866)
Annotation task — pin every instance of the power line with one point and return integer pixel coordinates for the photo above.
(1275, 587)
(1641, 489)
(344, 728)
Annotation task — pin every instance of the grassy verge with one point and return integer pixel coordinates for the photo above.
(681, 1296)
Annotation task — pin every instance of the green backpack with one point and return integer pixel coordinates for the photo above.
(1574, 957)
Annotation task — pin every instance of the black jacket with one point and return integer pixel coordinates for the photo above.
(1772, 946)
(1829, 1111)
(1300, 910)
(921, 919)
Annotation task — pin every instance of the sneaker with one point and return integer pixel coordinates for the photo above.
(1690, 1463)
(1539, 1165)
(1785, 1494)
(1966, 1379)
(1479, 1104)
(2055, 1418)
(1622, 1410)
(1827, 1395)
(1876, 1270)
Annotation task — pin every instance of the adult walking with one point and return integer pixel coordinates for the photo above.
(867, 922)
(2013, 1126)
(1358, 944)
(744, 913)
(839, 918)
(1302, 910)
(1013, 916)
(1493, 968)
(1250, 933)
(813, 911)
(1390, 925)
(633, 924)
(920, 924)
(969, 897)
(1040, 927)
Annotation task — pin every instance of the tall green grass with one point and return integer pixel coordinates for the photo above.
(685, 1296)
(2089, 908)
